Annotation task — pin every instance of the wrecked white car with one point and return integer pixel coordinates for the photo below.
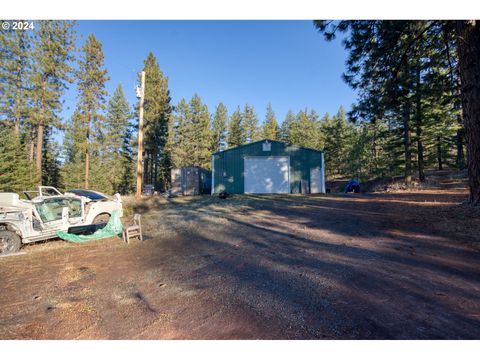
(48, 210)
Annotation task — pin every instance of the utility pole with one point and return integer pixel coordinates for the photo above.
(140, 140)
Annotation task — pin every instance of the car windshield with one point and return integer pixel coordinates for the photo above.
(50, 209)
(92, 195)
(49, 191)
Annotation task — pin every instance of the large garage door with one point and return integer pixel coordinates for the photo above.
(267, 174)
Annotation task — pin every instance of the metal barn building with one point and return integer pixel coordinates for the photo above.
(266, 166)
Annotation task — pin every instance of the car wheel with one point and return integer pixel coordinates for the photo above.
(101, 220)
(9, 242)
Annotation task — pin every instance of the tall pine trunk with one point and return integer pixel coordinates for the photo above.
(418, 125)
(40, 127)
(39, 152)
(420, 162)
(31, 145)
(374, 149)
(146, 163)
(407, 142)
(155, 171)
(439, 153)
(149, 170)
(460, 160)
(87, 154)
(468, 38)
(152, 168)
(17, 127)
(17, 101)
(460, 136)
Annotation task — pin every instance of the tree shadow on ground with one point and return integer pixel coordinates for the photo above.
(323, 268)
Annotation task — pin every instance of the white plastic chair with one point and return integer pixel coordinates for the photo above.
(134, 230)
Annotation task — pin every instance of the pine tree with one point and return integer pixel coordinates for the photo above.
(157, 117)
(391, 63)
(294, 130)
(91, 77)
(180, 139)
(73, 138)
(117, 143)
(356, 164)
(366, 157)
(302, 130)
(286, 126)
(219, 128)
(192, 140)
(15, 72)
(51, 174)
(73, 170)
(271, 130)
(236, 132)
(117, 120)
(127, 181)
(200, 135)
(52, 58)
(250, 124)
(316, 139)
(16, 172)
(468, 35)
(338, 136)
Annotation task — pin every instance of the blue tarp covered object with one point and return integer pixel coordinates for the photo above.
(352, 185)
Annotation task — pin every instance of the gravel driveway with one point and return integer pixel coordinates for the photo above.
(381, 266)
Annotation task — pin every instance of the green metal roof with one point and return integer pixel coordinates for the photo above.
(272, 141)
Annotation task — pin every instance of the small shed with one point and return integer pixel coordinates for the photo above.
(191, 180)
(266, 166)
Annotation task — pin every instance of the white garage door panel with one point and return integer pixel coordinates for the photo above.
(265, 174)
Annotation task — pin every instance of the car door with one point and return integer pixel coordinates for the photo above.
(50, 210)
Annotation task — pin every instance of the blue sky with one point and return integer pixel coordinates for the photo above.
(286, 63)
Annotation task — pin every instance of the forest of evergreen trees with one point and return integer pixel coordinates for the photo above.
(401, 124)
(418, 92)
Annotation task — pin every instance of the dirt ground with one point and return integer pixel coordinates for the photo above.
(397, 265)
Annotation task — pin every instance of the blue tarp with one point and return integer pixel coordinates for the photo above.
(351, 186)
